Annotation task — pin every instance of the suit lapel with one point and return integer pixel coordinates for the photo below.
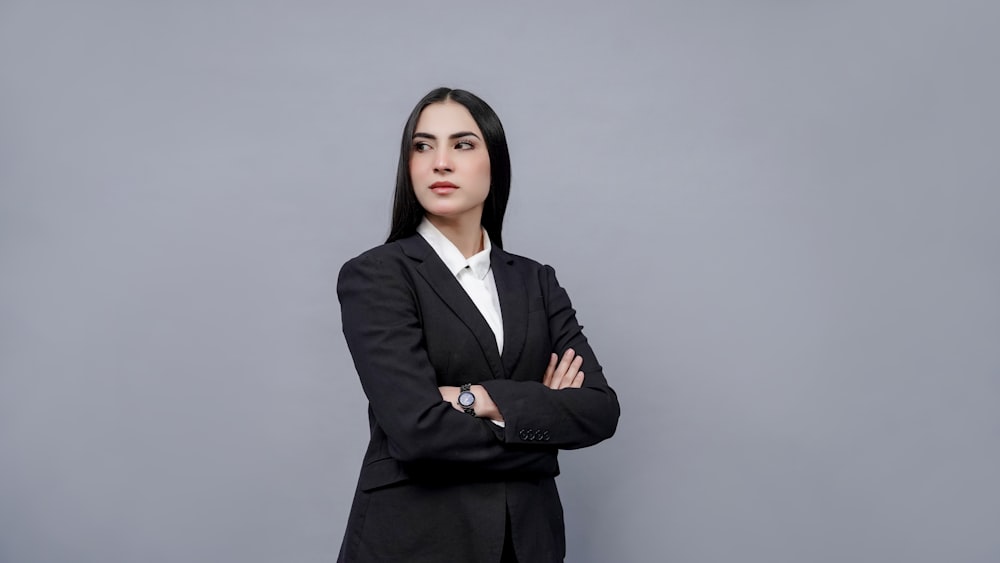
(444, 284)
(513, 307)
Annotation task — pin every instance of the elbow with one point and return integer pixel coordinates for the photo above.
(600, 424)
(610, 423)
(416, 442)
(606, 424)
(411, 449)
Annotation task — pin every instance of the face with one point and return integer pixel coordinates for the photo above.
(449, 163)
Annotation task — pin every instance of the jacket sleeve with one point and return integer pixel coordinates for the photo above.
(564, 418)
(383, 329)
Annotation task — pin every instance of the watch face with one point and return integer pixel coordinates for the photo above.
(466, 398)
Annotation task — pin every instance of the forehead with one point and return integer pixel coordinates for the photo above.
(446, 118)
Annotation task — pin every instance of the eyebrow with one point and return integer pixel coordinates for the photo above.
(460, 134)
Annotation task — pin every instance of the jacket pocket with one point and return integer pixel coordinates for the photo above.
(381, 473)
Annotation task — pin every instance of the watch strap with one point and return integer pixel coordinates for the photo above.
(468, 409)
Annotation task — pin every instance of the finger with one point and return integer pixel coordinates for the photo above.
(570, 375)
(550, 370)
(577, 381)
(564, 364)
(569, 354)
(571, 371)
(561, 369)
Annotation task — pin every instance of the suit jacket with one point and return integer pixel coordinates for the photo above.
(437, 485)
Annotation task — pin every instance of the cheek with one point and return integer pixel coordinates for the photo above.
(414, 167)
(483, 170)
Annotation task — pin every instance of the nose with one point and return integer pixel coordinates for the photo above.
(442, 162)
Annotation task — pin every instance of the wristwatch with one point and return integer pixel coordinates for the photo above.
(466, 399)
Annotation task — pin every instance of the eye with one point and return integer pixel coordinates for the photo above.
(421, 146)
(465, 145)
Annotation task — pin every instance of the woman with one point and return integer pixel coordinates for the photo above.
(471, 358)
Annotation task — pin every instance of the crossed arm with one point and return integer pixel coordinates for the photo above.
(383, 329)
(560, 374)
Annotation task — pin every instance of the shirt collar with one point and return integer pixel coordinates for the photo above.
(452, 257)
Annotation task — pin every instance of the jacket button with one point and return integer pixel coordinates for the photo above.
(545, 435)
(523, 434)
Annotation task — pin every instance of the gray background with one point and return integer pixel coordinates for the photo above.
(778, 221)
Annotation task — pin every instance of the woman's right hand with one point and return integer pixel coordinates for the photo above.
(564, 374)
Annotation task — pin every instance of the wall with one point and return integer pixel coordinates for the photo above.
(778, 221)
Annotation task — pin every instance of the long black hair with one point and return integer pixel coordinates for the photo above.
(407, 211)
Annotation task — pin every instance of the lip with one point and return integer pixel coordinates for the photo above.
(443, 188)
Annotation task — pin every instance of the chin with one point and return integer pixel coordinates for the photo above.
(449, 211)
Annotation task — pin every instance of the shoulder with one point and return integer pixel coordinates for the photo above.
(527, 267)
(380, 253)
(516, 260)
(396, 252)
(388, 260)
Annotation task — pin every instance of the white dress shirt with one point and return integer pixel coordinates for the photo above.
(473, 273)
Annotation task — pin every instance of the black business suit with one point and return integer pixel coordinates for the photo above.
(436, 484)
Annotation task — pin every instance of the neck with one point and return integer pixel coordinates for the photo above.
(466, 233)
